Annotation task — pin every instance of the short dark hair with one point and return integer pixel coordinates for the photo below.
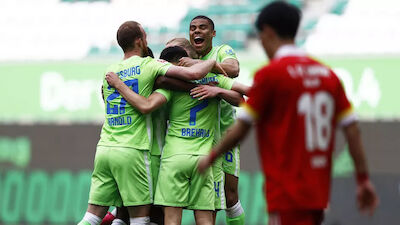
(149, 52)
(283, 17)
(173, 54)
(206, 18)
(127, 33)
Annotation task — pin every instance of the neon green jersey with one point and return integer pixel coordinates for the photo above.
(159, 118)
(191, 127)
(227, 112)
(125, 126)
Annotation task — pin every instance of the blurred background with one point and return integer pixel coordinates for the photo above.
(53, 55)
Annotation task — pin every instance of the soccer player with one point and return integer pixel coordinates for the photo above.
(191, 131)
(122, 172)
(201, 32)
(185, 44)
(296, 103)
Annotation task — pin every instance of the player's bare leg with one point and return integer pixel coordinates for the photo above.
(204, 217)
(172, 215)
(94, 214)
(234, 211)
(139, 215)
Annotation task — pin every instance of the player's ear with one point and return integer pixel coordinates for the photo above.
(214, 33)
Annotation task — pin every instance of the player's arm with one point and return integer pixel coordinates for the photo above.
(366, 195)
(186, 61)
(241, 88)
(194, 72)
(231, 67)
(174, 84)
(144, 105)
(207, 91)
(233, 136)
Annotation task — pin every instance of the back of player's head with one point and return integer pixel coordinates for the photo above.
(127, 33)
(185, 44)
(149, 53)
(173, 54)
(206, 18)
(282, 17)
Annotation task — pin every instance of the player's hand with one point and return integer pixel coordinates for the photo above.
(204, 164)
(112, 79)
(204, 91)
(186, 62)
(367, 199)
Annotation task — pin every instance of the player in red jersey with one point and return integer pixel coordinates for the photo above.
(296, 103)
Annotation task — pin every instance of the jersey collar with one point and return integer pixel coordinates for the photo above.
(289, 50)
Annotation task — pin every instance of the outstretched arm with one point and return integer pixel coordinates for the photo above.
(144, 105)
(366, 196)
(207, 91)
(194, 72)
(233, 136)
(241, 88)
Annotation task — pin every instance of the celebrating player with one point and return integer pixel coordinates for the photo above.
(179, 184)
(122, 172)
(202, 32)
(296, 103)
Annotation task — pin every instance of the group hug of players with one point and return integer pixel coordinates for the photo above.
(157, 152)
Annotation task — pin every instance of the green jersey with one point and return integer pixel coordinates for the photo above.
(227, 112)
(191, 127)
(159, 117)
(124, 125)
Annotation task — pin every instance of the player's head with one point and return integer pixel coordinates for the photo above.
(131, 36)
(185, 44)
(277, 22)
(201, 32)
(149, 53)
(173, 54)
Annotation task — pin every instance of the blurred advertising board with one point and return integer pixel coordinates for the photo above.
(45, 175)
(70, 91)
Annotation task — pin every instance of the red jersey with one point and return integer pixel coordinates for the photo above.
(296, 102)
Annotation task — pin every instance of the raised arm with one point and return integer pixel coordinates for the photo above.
(144, 105)
(174, 84)
(206, 91)
(366, 196)
(194, 72)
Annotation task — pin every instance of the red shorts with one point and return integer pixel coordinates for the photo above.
(301, 217)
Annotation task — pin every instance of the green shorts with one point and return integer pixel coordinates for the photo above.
(155, 169)
(121, 176)
(181, 185)
(219, 183)
(231, 163)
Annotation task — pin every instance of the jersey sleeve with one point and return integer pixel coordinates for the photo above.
(225, 82)
(159, 67)
(226, 52)
(258, 97)
(167, 93)
(345, 114)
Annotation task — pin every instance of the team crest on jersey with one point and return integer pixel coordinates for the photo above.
(229, 52)
(162, 61)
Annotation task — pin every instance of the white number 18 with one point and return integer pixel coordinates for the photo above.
(318, 110)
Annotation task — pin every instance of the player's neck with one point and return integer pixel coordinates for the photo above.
(278, 44)
(131, 53)
(205, 52)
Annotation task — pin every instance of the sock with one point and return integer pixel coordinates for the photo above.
(235, 215)
(90, 219)
(140, 220)
(107, 220)
(118, 222)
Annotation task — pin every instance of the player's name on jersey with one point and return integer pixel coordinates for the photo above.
(134, 70)
(119, 121)
(308, 70)
(207, 80)
(192, 132)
